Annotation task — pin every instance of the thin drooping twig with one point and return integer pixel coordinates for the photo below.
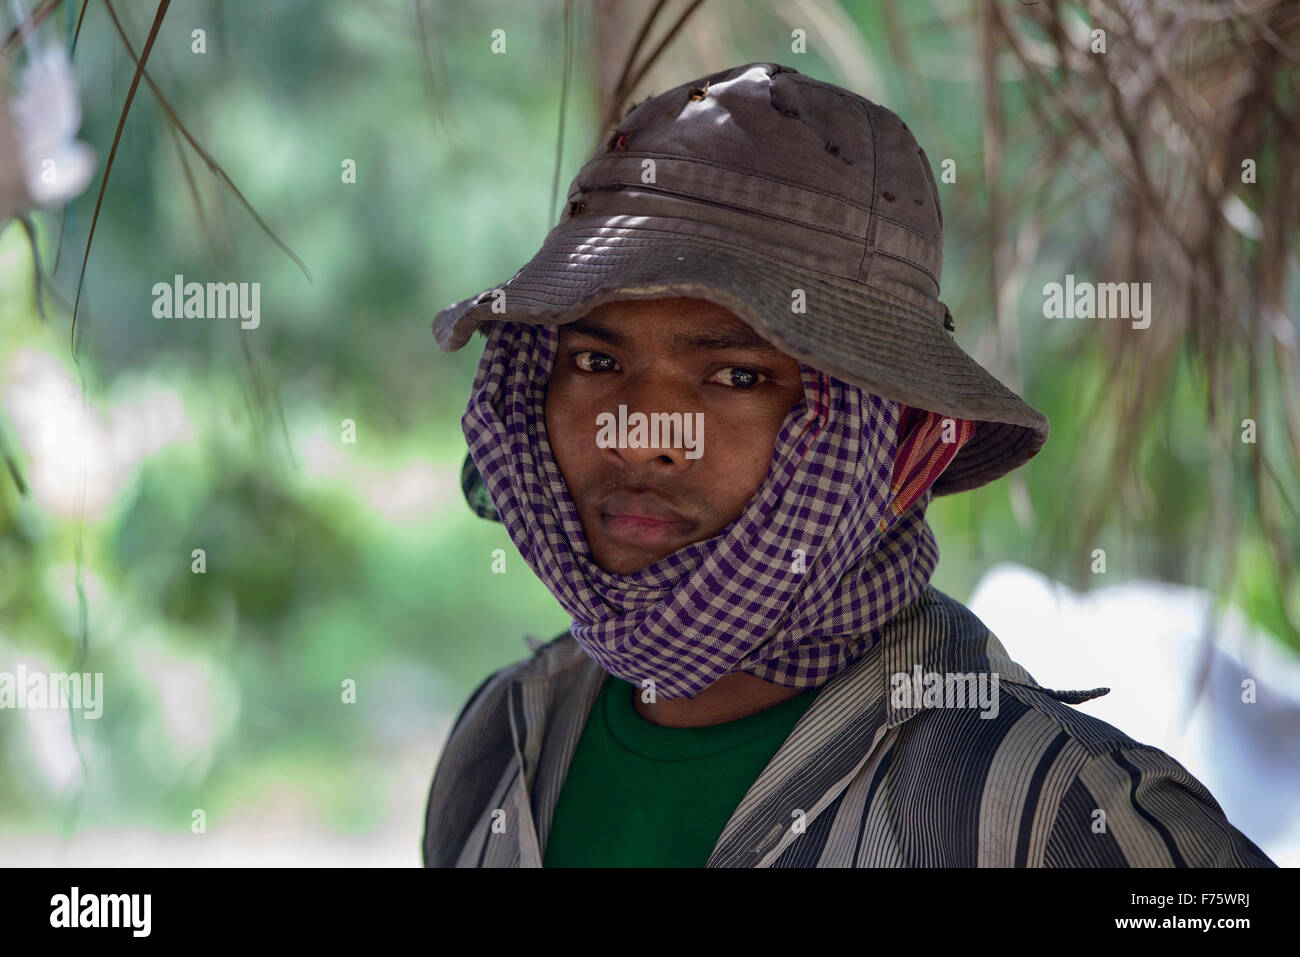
(192, 187)
(994, 137)
(626, 86)
(112, 154)
(663, 45)
(212, 164)
(564, 100)
(77, 33)
(37, 16)
(66, 212)
(11, 463)
(38, 277)
(918, 94)
(621, 86)
(440, 106)
(1174, 119)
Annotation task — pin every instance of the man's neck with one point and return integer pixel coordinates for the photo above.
(731, 697)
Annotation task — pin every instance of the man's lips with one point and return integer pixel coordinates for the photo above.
(642, 520)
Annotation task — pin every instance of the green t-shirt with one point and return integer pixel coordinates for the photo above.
(641, 795)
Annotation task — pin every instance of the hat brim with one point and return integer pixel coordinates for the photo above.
(868, 338)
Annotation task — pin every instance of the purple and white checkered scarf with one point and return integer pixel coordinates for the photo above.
(745, 599)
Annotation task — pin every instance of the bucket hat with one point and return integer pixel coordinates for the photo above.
(808, 211)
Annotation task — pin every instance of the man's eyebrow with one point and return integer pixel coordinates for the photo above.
(739, 338)
(585, 327)
(742, 337)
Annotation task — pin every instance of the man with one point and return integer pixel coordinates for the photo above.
(711, 412)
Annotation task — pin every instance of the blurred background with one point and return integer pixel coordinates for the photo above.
(368, 163)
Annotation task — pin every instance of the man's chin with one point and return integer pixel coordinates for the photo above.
(623, 561)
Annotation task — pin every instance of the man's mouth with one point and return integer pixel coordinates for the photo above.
(642, 520)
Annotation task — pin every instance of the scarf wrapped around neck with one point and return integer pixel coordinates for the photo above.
(832, 545)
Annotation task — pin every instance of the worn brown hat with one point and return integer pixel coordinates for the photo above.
(808, 211)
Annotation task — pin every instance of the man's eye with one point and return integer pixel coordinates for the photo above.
(595, 362)
(738, 377)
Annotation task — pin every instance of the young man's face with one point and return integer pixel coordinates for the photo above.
(685, 356)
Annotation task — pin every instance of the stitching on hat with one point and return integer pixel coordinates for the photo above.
(920, 266)
(902, 225)
(929, 178)
(867, 245)
(837, 197)
(829, 88)
(591, 232)
(794, 115)
(832, 280)
(764, 211)
(862, 103)
(757, 209)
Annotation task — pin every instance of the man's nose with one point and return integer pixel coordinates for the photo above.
(664, 411)
(672, 460)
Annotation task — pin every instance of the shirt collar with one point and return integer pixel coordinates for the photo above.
(836, 735)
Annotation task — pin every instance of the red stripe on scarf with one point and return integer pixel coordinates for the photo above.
(922, 455)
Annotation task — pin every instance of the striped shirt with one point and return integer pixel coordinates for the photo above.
(872, 775)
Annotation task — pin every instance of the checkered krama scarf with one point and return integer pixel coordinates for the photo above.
(831, 546)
